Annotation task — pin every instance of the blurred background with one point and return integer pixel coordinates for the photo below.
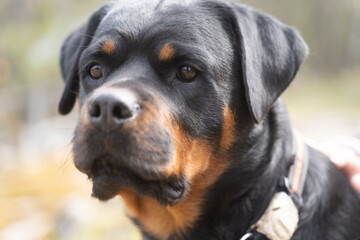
(42, 196)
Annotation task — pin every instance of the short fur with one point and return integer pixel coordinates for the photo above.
(199, 159)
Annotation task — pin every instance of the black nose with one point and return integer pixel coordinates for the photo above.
(111, 108)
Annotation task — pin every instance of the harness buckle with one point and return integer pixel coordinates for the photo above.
(248, 236)
(254, 235)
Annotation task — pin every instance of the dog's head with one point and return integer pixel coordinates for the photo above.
(166, 88)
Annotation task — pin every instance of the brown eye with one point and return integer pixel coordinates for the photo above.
(96, 72)
(187, 73)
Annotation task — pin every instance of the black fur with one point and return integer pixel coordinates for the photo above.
(246, 59)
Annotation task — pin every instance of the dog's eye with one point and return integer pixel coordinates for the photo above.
(96, 72)
(187, 73)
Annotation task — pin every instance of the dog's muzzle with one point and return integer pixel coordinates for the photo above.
(122, 141)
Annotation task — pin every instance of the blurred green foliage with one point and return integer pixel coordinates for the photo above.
(331, 28)
(31, 33)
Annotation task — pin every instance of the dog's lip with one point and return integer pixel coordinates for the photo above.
(116, 166)
(173, 192)
(167, 190)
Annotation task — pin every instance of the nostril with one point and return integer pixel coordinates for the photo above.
(94, 110)
(122, 112)
(117, 113)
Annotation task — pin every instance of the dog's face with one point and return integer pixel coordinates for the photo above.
(166, 89)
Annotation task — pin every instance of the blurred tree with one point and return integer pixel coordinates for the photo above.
(330, 27)
(31, 32)
(354, 39)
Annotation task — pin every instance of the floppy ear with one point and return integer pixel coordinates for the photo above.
(270, 53)
(71, 50)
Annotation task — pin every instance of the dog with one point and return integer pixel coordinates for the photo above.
(181, 115)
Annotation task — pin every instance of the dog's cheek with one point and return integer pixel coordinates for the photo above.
(194, 157)
(81, 100)
(191, 155)
(155, 137)
(80, 141)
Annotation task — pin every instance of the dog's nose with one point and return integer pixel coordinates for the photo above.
(111, 108)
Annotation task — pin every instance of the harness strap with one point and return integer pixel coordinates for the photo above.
(280, 219)
(298, 171)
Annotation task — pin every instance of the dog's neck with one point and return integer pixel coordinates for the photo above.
(243, 193)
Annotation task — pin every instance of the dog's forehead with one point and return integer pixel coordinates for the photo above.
(133, 16)
(151, 5)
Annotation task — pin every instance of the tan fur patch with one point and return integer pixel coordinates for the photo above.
(166, 53)
(108, 47)
(228, 128)
(201, 166)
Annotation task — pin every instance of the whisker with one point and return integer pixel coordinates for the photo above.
(87, 35)
(74, 92)
(66, 157)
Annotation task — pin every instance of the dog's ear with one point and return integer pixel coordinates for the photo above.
(270, 54)
(71, 50)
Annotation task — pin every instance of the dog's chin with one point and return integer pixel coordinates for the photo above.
(167, 191)
(104, 189)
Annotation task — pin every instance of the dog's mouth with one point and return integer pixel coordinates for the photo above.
(109, 178)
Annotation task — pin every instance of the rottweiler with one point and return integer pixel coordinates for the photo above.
(180, 115)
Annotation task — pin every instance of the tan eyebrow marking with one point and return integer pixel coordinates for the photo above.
(108, 47)
(166, 53)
